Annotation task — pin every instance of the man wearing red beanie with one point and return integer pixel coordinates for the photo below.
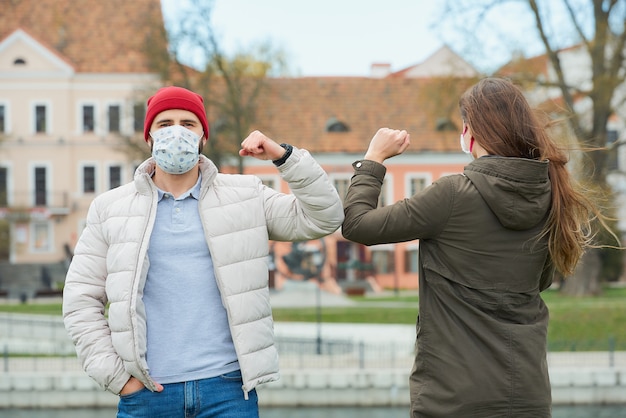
(180, 255)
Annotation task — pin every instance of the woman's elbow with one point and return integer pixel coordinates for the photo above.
(352, 233)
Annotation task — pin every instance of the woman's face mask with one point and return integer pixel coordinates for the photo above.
(463, 146)
(175, 149)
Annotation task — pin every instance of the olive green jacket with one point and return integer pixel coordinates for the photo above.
(482, 325)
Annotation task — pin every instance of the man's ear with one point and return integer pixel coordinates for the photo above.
(203, 142)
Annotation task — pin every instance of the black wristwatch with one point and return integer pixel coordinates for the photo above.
(288, 150)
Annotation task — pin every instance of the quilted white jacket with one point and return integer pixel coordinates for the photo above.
(239, 216)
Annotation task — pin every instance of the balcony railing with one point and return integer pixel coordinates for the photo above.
(26, 205)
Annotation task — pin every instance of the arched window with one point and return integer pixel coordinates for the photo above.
(445, 124)
(335, 125)
(19, 61)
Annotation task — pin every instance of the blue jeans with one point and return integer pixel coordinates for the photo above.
(217, 397)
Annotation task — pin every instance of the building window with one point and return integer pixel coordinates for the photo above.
(115, 176)
(89, 122)
(3, 122)
(41, 237)
(19, 61)
(383, 260)
(5, 240)
(271, 182)
(41, 188)
(41, 119)
(384, 197)
(411, 260)
(445, 124)
(4, 187)
(114, 118)
(342, 185)
(335, 125)
(139, 116)
(89, 179)
(416, 183)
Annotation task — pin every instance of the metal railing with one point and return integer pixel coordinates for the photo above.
(41, 344)
(20, 203)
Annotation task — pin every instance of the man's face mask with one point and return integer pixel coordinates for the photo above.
(175, 149)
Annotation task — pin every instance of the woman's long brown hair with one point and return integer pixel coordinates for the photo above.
(504, 124)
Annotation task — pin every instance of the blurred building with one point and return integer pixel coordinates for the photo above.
(74, 77)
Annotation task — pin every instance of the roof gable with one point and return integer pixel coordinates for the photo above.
(112, 36)
(442, 63)
(21, 55)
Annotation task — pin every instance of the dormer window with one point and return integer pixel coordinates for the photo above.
(445, 124)
(19, 61)
(335, 125)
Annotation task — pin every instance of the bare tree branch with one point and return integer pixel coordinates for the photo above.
(556, 64)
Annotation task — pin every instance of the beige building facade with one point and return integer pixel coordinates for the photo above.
(60, 133)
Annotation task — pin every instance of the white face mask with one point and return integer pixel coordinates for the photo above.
(463, 147)
(175, 149)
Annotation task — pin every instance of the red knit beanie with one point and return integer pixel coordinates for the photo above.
(174, 97)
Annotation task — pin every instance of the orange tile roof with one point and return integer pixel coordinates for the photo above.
(530, 68)
(298, 109)
(104, 36)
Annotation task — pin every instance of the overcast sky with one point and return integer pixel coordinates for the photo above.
(344, 37)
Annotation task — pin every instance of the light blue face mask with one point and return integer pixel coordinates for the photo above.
(175, 149)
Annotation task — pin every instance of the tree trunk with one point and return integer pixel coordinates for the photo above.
(586, 278)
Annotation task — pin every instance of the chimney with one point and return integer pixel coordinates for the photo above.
(380, 70)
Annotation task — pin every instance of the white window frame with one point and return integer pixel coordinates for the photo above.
(31, 170)
(132, 116)
(390, 250)
(106, 117)
(409, 177)
(107, 170)
(408, 249)
(33, 114)
(274, 178)
(80, 112)
(7, 117)
(387, 190)
(49, 235)
(9, 166)
(81, 177)
(342, 177)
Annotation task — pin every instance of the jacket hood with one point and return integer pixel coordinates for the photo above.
(517, 190)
